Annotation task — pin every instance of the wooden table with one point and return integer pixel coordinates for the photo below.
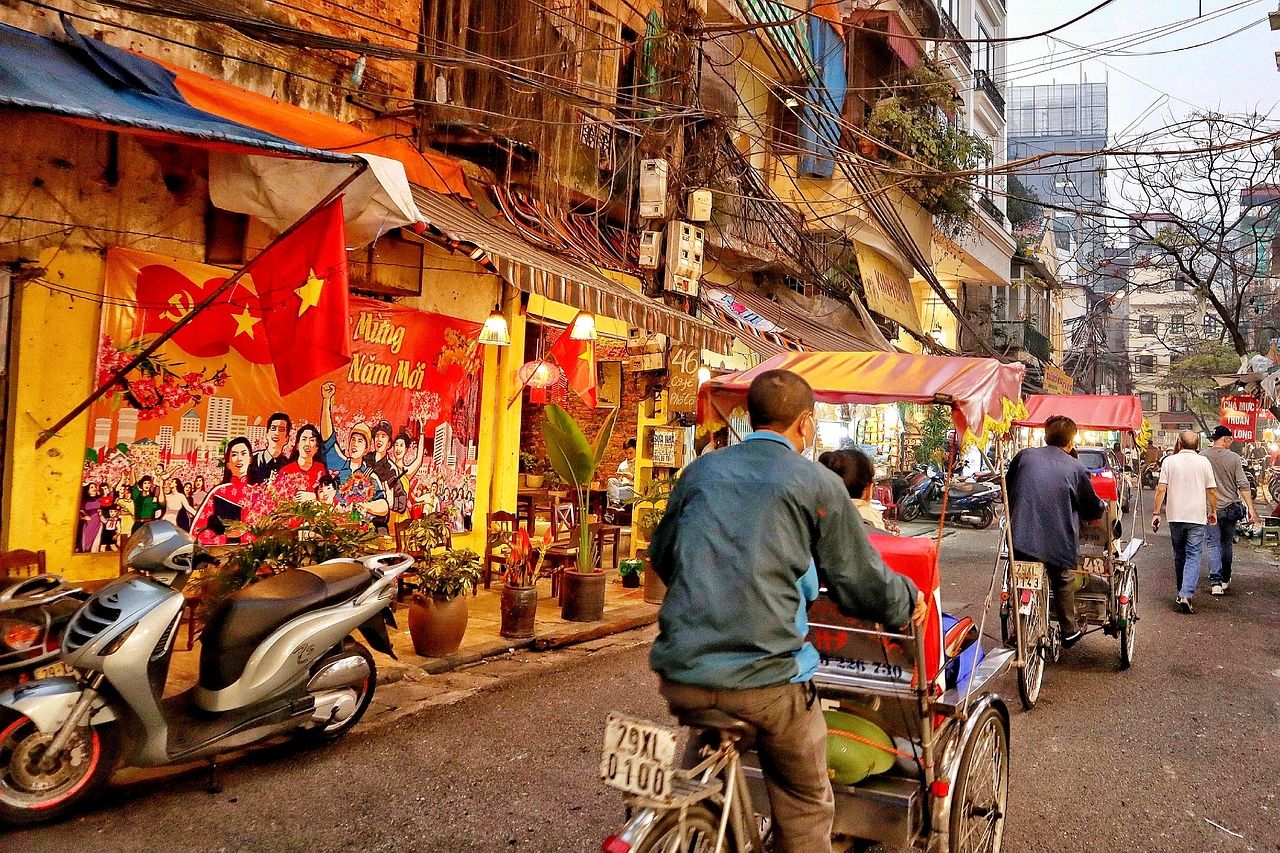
(527, 501)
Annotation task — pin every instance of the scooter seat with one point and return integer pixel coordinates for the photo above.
(248, 616)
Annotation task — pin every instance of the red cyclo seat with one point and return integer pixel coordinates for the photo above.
(918, 560)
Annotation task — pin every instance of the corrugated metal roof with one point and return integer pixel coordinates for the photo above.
(536, 270)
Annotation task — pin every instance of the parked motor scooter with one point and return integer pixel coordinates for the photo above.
(33, 613)
(969, 503)
(276, 657)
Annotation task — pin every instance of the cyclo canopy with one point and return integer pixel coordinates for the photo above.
(984, 394)
(1121, 412)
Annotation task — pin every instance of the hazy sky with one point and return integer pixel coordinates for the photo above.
(1235, 74)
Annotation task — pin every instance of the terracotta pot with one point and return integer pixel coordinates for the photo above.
(519, 607)
(535, 481)
(654, 589)
(437, 624)
(582, 598)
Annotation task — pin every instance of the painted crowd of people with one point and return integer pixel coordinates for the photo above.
(378, 475)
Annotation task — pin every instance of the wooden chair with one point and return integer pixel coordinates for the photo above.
(610, 534)
(22, 564)
(494, 553)
(563, 554)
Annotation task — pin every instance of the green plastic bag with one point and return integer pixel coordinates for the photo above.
(849, 758)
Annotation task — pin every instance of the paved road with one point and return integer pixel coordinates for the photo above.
(1109, 761)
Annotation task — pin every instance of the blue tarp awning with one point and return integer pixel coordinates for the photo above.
(101, 86)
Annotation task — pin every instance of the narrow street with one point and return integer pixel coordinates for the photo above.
(1142, 760)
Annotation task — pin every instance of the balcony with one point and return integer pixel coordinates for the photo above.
(989, 208)
(1020, 334)
(982, 82)
(959, 45)
(924, 16)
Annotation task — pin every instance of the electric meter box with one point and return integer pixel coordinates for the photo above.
(700, 206)
(684, 257)
(650, 249)
(653, 188)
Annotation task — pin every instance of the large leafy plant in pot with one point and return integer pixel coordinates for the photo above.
(438, 609)
(575, 460)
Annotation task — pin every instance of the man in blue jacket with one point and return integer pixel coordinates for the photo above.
(749, 532)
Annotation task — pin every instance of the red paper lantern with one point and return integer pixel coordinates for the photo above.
(539, 374)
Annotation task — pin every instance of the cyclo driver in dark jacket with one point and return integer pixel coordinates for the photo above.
(749, 532)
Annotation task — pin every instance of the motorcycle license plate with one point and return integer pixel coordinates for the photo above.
(1027, 575)
(639, 757)
(53, 670)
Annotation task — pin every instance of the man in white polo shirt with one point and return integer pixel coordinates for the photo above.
(1186, 479)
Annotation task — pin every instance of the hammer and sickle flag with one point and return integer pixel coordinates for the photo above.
(302, 289)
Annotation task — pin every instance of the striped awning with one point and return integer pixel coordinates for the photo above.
(535, 270)
(785, 29)
(770, 328)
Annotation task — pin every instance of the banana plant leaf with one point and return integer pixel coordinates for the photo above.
(575, 460)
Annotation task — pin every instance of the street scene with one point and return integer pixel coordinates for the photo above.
(646, 426)
(1107, 761)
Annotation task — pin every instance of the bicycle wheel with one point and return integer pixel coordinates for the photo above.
(981, 788)
(1032, 630)
(1129, 618)
(696, 834)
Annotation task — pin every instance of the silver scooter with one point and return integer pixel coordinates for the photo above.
(276, 657)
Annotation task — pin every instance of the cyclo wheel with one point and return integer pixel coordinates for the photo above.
(700, 826)
(1033, 636)
(980, 791)
(1129, 615)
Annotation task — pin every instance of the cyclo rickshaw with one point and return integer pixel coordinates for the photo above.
(914, 704)
(1107, 593)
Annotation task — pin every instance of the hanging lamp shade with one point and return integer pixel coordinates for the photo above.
(584, 327)
(539, 374)
(495, 331)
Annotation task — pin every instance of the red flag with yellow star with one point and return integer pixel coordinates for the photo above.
(302, 289)
(578, 361)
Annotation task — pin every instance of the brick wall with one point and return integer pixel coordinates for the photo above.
(633, 390)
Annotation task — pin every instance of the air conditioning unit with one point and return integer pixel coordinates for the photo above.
(653, 188)
(700, 205)
(650, 249)
(684, 258)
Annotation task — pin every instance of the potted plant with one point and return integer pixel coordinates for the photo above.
(295, 533)
(648, 506)
(630, 571)
(522, 565)
(438, 608)
(575, 460)
(532, 469)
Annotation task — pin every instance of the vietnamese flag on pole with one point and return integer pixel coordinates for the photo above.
(578, 360)
(302, 289)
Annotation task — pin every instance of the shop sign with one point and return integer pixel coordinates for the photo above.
(205, 411)
(887, 290)
(726, 302)
(665, 450)
(682, 378)
(1057, 381)
(1240, 415)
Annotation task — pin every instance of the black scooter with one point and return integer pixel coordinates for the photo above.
(33, 613)
(973, 504)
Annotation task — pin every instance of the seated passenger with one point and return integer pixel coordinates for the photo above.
(859, 475)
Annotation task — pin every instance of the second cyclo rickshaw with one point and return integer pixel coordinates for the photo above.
(1107, 579)
(921, 696)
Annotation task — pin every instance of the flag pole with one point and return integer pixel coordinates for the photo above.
(119, 375)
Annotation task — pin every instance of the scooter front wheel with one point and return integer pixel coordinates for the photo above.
(908, 510)
(32, 791)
